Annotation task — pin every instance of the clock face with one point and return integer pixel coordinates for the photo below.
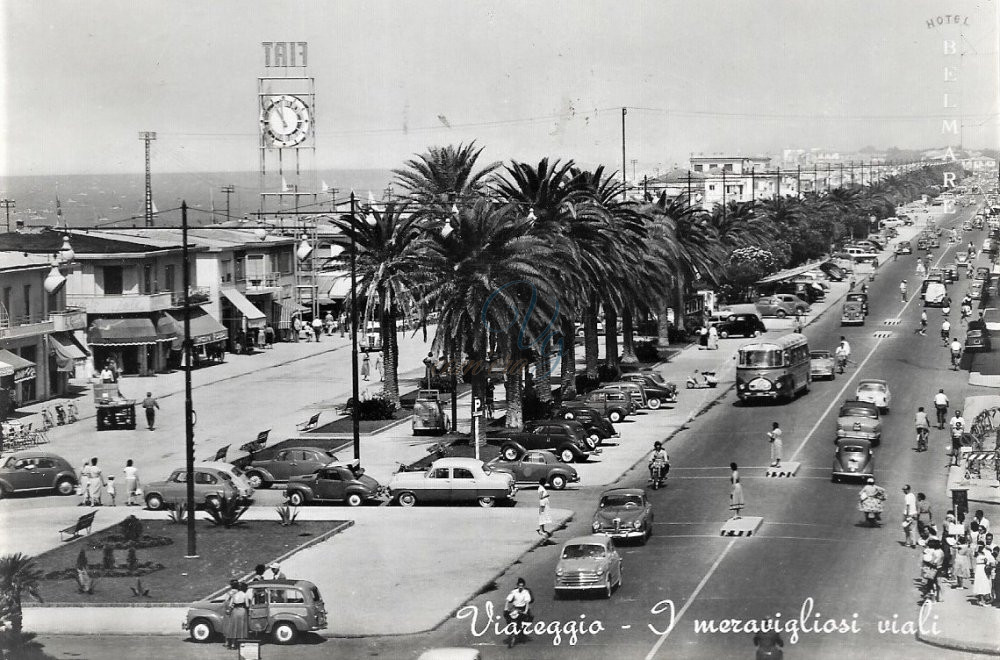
(284, 120)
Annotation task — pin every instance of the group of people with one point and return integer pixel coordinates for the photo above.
(236, 624)
(313, 330)
(709, 338)
(92, 485)
(366, 367)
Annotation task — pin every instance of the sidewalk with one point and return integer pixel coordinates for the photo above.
(961, 626)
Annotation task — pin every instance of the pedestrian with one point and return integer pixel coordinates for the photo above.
(774, 437)
(489, 400)
(941, 406)
(131, 482)
(328, 323)
(296, 327)
(713, 338)
(83, 485)
(258, 573)
(227, 608)
(307, 331)
(238, 628)
(343, 324)
(380, 367)
(962, 569)
(317, 326)
(366, 367)
(983, 564)
(95, 481)
(269, 336)
(922, 330)
(736, 502)
(797, 327)
(909, 517)
(276, 573)
(984, 523)
(769, 645)
(429, 368)
(902, 290)
(702, 338)
(107, 376)
(924, 514)
(544, 518)
(150, 405)
(517, 611)
(111, 489)
(930, 565)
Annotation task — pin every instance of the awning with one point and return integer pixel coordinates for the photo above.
(121, 332)
(21, 369)
(167, 329)
(66, 351)
(338, 285)
(255, 318)
(287, 311)
(204, 328)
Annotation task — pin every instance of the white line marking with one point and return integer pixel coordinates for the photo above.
(687, 603)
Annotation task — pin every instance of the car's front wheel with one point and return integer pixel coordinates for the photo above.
(154, 502)
(756, 333)
(354, 499)
(654, 403)
(568, 415)
(66, 486)
(566, 455)
(201, 631)
(615, 416)
(296, 498)
(486, 502)
(781, 314)
(724, 335)
(558, 482)
(284, 633)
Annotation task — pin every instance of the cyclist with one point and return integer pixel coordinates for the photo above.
(842, 354)
(956, 353)
(902, 290)
(945, 331)
(941, 405)
(923, 428)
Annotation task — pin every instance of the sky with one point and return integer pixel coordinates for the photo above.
(525, 79)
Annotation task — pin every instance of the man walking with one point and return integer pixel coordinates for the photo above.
(317, 324)
(150, 405)
(774, 437)
(909, 517)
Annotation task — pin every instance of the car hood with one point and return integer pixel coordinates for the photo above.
(582, 564)
(850, 421)
(608, 516)
(822, 362)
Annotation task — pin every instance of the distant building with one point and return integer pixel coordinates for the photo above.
(729, 164)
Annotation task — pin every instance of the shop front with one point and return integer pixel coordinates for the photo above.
(131, 343)
(208, 337)
(66, 355)
(19, 376)
(244, 322)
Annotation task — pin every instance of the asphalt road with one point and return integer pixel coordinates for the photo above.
(811, 551)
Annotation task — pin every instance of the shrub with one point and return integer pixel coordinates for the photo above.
(81, 560)
(138, 590)
(375, 408)
(131, 528)
(228, 513)
(646, 351)
(440, 383)
(132, 560)
(178, 514)
(108, 560)
(287, 514)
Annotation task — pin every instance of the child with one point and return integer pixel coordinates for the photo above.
(111, 490)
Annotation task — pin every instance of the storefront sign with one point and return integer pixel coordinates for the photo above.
(25, 373)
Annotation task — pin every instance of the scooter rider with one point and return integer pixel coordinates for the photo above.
(659, 460)
(923, 428)
(941, 405)
(945, 331)
(956, 353)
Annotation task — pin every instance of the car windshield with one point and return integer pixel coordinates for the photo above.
(760, 358)
(819, 355)
(858, 411)
(871, 387)
(991, 316)
(583, 551)
(621, 500)
(851, 449)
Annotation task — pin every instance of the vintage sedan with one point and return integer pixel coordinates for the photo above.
(287, 463)
(587, 563)
(452, 480)
(658, 392)
(781, 305)
(537, 465)
(859, 419)
(337, 482)
(744, 325)
(991, 317)
(858, 297)
(875, 391)
(950, 272)
(624, 513)
(210, 486)
(962, 259)
(977, 338)
(31, 471)
(567, 439)
(976, 290)
(904, 247)
(636, 390)
(852, 313)
(983, 274)
(596, 425)
(613, 405)
(822, 365)
(852, 458)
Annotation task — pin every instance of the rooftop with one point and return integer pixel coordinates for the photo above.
(51, 241)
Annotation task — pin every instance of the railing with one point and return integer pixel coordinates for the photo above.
(122, 303)
(24, 325)
(264, 281)
(71, 318)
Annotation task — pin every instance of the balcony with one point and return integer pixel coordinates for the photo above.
(24, 326)
(264, 283)
(71, 318)
(197, 295)
(126, 303)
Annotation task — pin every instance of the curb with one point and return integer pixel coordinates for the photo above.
(956, 645)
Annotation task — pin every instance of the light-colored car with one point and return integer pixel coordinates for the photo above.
(852, 458)
(281, 608)
(781, 305)
(452, 480)
(286, 463)
(962, 259)
(904, 247)
(991, 317)
(876, 391)
(822, 365)
(859, 419)
(587, 563)
(36, 471)
(243, 486)
(210, 486)
(624, 513)
(976, 290)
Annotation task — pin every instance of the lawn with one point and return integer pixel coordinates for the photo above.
(170, 578)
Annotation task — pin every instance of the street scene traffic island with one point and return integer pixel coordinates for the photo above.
(745, 526)
(787, 469)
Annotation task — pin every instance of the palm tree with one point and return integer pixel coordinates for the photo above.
(18, 576)
(388, 244)
(443, 175)
(480, 272)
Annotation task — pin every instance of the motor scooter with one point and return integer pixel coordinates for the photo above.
(701, 380)
(658, 474)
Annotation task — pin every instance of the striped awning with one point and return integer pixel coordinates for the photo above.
(204, 328)
(66, 351)
(133, 331)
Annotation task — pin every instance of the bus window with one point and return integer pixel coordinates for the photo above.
(760, 358)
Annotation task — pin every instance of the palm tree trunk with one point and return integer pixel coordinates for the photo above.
(390, 357)
(543, 377)
(567, 366)
(628, 338)
(679, 309)
(590, 347)
(610, 335)
(662, 331)
(514, 389)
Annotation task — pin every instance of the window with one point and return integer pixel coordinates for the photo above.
(179, 477)
(294, 596)
(728, 167)
(440, 473)
(255, 269)
(285, 261)
(699, 168)
(534, 458)
(27, 301)
(711, 186)
(331, 475)
(227, 270)
(462, 473)
(147, 279)
(283, 456)
(113, 280)
(238, 263)
(46, 463)
(169, 277)
(205, 478)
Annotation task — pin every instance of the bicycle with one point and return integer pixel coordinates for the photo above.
(956, 358)
(922, 434)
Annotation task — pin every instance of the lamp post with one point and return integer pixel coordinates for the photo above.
(192, 552)
(354, 337)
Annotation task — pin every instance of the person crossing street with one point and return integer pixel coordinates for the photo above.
(902, 290)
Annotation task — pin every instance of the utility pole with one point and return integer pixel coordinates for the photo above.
(624, 183)
(228, 190)
(355, 420)
(192, 551)
(7, 205)
(147, 137)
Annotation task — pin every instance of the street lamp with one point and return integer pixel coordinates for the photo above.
(55, 279)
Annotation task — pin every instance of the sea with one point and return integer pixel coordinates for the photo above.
(118, 200)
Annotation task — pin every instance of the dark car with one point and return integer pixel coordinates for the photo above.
(983, 273)
(624, 513)
(834, 272)
(537, 465)
(339, 482)
(287, 463)
(594, 423)
(36, 471)
(565, 439)
(744, 325)
(859, 298)
(977, 337)
(950, 272)
(657, 392)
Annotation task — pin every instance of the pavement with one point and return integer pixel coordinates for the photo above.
(959, 625)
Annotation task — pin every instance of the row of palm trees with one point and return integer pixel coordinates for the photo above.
(506, 259)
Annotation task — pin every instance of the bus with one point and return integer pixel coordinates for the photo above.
(776, 369)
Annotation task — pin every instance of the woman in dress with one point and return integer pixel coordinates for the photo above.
(227, 621)
(239, 628)
(736, 502)
(131, 482)
(963, 562)
(981, 579)
(366, 367)
(543, 510)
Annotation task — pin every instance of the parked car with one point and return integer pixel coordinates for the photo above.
(565, 438)
(337, 482)
(594, 423)
(833, 271)
(452, 480)
(636, 390)
(657, 392)
(32, 471)
(852, 313)
(624, 513)
(536, 465)
(822, 365)
(962, 259)
(632, 405)
(976, 290)
(743, 325)
(210, 486)
(983, 274)
(904, 247)
(858, 419)
(781, 305)
(858, 297)
(977, 337)
(587, 563)
(991, 317)
(280, 608)
(852, 458)
(950, 272)
(874, 391)
(613, 405)
(287, 463)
